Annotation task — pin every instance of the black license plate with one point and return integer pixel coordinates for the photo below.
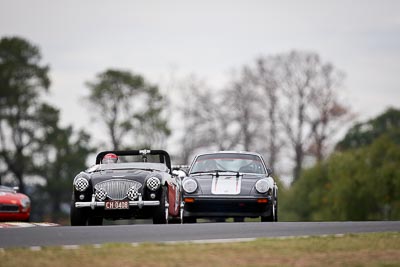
(117, 205)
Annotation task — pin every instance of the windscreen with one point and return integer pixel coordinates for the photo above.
(235, 162)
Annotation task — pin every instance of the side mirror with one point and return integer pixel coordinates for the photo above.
(269, 171)
(16, 189)
(181, 174)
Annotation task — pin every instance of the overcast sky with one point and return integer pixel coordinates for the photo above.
(79, 39)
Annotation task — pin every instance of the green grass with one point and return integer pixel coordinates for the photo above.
(376, 249)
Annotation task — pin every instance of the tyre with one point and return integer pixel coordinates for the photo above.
(238, 219)
(276, 210)
(95, 221)
(267, 218)
(78, 217)
(189, 220)
(274, 213)
(159, 216)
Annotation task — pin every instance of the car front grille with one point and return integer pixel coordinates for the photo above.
(117, 189)
(9, 208)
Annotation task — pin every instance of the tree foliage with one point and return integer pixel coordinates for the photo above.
(357, 184)
(128, 106)
(22, 81)
(287, 102)
(34, 149)
(363, 134)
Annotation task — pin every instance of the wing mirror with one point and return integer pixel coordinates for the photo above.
(180, 173)
(16, 189)
(269, 171)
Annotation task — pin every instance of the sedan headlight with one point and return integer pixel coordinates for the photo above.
(189, 185)
(81, 184)
(153, 183)
(263, 185)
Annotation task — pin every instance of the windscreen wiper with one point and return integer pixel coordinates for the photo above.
(216, 172)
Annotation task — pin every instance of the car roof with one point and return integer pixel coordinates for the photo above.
(230, 152)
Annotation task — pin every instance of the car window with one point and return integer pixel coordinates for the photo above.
(245, 163)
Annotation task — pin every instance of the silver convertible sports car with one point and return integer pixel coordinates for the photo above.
(126, 184)
(229, 184)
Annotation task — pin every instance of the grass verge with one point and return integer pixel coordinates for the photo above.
(375, 249)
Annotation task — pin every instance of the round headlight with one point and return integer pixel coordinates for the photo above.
(262, 186)
(25, 203)
(132, 193)
(100, 194)
(189, 185)
(81, 184)
(153, 183)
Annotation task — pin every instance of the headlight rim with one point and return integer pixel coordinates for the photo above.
(83, 187)
(132, 193)
(153, 188)
(261, 190)
(185, 183)
(101, 197)
(25, 203)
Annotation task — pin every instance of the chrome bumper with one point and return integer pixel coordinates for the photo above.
(137, 203)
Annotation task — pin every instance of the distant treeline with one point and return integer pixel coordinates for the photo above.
(287, 107)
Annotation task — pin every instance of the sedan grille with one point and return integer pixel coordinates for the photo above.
(117, 189)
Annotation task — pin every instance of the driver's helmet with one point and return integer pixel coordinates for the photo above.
(109, 158)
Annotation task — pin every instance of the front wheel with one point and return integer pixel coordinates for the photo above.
(189, 220)
(160, 213)
(238, 219)
(78, 216)
(273, 217)
(95, 221)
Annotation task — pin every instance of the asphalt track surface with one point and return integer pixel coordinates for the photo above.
(86, 235)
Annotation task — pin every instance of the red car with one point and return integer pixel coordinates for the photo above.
(14, 206)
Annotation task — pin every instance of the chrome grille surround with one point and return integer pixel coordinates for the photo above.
(117, 189)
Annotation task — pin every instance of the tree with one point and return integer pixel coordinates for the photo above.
(206, 119)
(328, 114)
(310, 108)
(63, 156)
(266, 76)
(152, 128)
(356, 184)
(364, 133)
(22, 81)
(33, 147)
(245, 105)
(126, 104)
(299, 72)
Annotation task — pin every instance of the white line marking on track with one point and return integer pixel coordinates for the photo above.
(24, 224)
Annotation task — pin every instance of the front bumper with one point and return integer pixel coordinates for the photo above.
(227, 206)
(14, 216)
(137, 203)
